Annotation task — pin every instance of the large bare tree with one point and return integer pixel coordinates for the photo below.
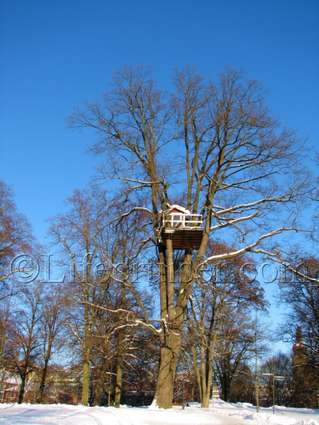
(212, 146)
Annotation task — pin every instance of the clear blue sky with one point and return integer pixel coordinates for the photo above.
(56, 55)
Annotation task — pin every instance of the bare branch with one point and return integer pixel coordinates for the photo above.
(248, 248)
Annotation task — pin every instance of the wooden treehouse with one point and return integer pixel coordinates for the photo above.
(184, 228)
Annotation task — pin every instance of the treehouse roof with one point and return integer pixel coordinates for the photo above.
(176, 209)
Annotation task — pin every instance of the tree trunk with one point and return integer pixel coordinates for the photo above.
(225, 388)
(206, 388)
(118, 384)
(86, 359)
(172, 315)
(207, 369)
(197, 372)
(205, 400)
(45, 371)
(166, 376)
(119, 371)
(120, 355)
(86, 377)
(22, 389)
(170, 341)
(43, 381)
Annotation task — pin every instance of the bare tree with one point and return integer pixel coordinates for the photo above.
(51, 330)
(105, 303)
(24, 335)
(224, 290)
(77, 233)
(216, 147)
(5, 325)
(279, 364)
(236, 347)
(300, 291)
(15, 233)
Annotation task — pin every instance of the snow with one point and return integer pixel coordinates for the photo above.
(219, 413)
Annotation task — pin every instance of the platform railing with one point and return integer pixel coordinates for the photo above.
(182, 221)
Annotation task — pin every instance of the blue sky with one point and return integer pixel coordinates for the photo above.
(57, 55)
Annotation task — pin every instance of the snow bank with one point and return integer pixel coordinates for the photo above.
(219, 413)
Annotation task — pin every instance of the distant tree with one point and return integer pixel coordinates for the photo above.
(104, 301)
(15, 233)
(78, 233)
(305, 376)
(280, 365)
(236, 347)
(51, 332)
(243, 385)
(24, 335)
(301, 293)
(5, 325)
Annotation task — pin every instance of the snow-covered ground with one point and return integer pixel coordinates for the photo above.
(220, 413)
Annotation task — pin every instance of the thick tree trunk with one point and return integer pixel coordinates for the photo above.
(166, 376)
(172, 315)
(207, 385)
(170, 340)
(86, 377)
(205, 400)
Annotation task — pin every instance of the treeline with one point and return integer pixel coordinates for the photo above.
(93, 339)
(135, 318)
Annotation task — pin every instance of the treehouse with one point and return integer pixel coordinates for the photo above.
(184, 228)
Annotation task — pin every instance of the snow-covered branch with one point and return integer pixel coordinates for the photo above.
(275, 256)
(126, 214)
(247, 248)
(253, 204)
(139, 322)
(233, 221)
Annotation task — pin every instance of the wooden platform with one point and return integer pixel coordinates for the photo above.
(183, 239)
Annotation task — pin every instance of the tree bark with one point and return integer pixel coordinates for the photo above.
(172, 316)
(44, 371)
(205, 400)
(119, 366)
(22, 389)
(207, 379)
(166, 376)
(43, 381)
(170, 341)
(118, 384)
(86, 359)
